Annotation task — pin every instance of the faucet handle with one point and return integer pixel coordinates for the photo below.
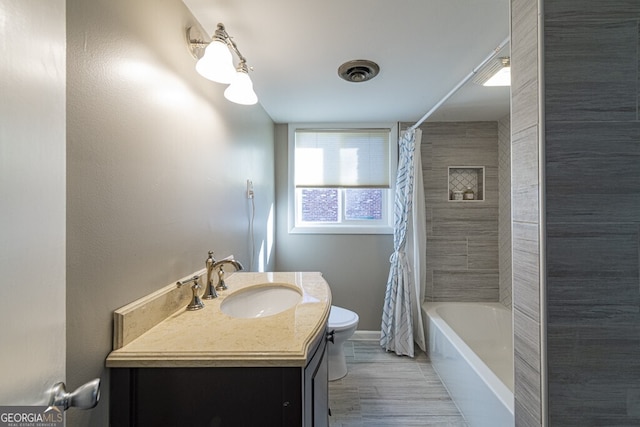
(194, 279)
(221, 286)
(196, 303)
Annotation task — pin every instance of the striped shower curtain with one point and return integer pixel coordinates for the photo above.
(401, 316)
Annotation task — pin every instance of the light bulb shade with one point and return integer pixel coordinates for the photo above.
(240, 90)
(217, 63)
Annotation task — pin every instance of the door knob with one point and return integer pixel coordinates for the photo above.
(84, 397)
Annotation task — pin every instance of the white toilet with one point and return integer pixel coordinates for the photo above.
(344, 322)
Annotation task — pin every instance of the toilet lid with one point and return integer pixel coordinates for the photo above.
(342, 318)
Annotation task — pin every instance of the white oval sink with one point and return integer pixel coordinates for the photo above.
(260, 301)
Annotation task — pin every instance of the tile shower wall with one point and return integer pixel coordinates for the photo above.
(525, 211)
(591, 226)
(592, 150)
(504, 209)
(462, 237)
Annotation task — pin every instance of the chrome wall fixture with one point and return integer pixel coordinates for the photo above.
(215, 62)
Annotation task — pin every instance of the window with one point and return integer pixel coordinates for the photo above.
(341, 179)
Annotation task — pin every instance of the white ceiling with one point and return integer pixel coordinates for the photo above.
(423, 47)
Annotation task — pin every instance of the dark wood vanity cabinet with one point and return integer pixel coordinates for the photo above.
(223, 396)
(316, 388)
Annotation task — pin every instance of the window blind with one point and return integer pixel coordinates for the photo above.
(351, 158)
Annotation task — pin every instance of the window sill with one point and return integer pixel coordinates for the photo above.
(344, 229)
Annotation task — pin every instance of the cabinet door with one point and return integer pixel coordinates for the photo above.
(321, 392)
(316, 389)
(205, 397)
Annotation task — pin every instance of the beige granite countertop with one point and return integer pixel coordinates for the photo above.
(208, 337)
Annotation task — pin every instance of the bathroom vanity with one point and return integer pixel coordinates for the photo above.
(211, 368)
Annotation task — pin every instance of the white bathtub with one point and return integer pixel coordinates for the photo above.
(471, 348)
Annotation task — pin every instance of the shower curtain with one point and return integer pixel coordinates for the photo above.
(402, 316)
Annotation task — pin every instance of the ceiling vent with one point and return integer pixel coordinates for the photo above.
(359, 70)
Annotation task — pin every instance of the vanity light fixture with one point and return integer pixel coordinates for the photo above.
(215, 62)
(496, 73)
(240, 90)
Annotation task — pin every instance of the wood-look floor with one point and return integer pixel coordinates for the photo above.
(385, 390)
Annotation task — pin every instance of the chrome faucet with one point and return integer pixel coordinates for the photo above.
(209, 290)
(212, 265)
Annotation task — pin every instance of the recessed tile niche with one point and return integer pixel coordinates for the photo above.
(462, 180)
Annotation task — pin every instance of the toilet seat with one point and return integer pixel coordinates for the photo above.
(341, 318)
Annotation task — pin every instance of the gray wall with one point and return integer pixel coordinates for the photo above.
(504, 210)
(592, 150)
(355, 266)
(462, 238)
(157, 168)
(32, 199)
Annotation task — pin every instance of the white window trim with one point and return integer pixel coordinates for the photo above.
(351, 228)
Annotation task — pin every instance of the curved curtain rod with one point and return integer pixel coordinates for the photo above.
(462, 82)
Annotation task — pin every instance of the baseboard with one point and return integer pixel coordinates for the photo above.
(366, 336)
